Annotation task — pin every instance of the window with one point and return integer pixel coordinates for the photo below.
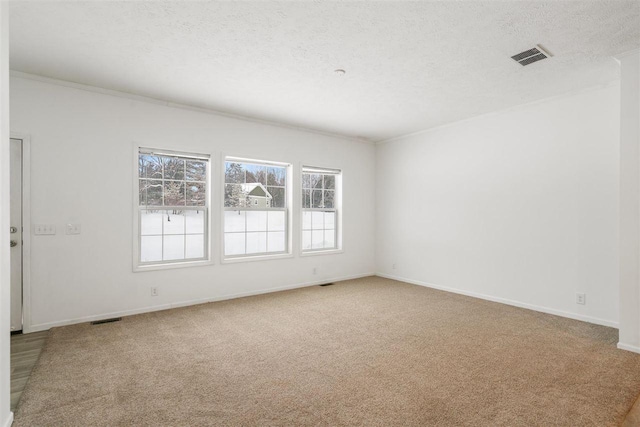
(320, 203)
(255, 208)
(173, 207)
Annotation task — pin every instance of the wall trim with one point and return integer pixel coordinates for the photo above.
(49, 325)
(628, 347)
(507, 110)
(541, 309)
(158, 101)
(9, 420)
(626, 53)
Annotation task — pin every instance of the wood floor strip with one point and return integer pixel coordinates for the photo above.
(25, 351)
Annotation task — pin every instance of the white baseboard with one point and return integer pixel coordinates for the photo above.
(633, 348)
(8, 421)
(519, 304)
(49, 325)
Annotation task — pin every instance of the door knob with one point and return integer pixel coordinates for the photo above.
(13, 243)
(13, 230)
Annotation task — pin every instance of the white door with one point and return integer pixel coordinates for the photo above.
(16, 234)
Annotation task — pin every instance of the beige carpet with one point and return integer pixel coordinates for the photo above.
(363, 352)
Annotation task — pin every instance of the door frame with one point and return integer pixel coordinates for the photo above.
(26, 229)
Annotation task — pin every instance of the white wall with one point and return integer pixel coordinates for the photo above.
(630, 201)
(82, 171)
(6, 416)
(519, 206)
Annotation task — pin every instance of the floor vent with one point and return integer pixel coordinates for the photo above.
(113, 319)
(326, 284)
(530, 56)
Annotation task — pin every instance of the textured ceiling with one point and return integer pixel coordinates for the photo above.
(409, 65)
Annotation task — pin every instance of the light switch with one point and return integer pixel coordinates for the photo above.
(44, 229)
(73, 229)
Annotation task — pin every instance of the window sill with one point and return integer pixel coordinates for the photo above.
(250, 258)
(169, 266)
(322, 252)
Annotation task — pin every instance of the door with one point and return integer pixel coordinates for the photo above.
(15, 233)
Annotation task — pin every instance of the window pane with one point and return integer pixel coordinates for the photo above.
(150, 222)
(195, 246)
(149, 166)
(258, 189)
(329, 220)
(196, 170)
(329, 239)
(317, 239)
(173, 248)
(330, 182)
(328, 198)
(173, 222)
(276, 176)
(256, 221)
(317, 220)
(277, 195)
(234, 221)
(306, 240)
(150, 248)
(306, 220)
(306, 198)
(276, 242)
(172, 182)
(234, 196)
(319, 228)
(173, 193)
(276, 221)
(234, 173)
(316, 180)
(173, 168)
(150, 192)
(234, 243)
(256, 174)
(142, 166)
(256, 243)
(316, 199)
(196, 193)
(195, 221)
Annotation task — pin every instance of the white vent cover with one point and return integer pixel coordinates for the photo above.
(530, 56)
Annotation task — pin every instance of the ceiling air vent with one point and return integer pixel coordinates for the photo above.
(530, 56)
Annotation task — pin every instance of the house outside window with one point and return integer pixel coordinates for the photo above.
(256, 211)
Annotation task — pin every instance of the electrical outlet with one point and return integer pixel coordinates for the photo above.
(581, 298)
(393, 266)
(315, 270)
(154, 291)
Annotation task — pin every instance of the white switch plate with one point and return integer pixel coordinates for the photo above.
(581, 298)
(73, 229)
(44, 229)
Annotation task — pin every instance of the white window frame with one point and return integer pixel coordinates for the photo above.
(337, 209)
(287, 253)
(138, 265)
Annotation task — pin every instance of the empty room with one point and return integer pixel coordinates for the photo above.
(320, 213)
